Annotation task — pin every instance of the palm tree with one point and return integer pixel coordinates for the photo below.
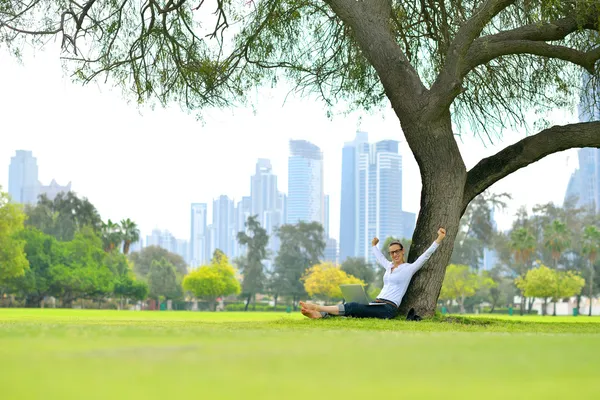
(590, 247)
(130, 234)
(557, 239)
(111, 235)
(522, 245)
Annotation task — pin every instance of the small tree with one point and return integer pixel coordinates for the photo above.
(460, 283)
(539, 282)
(324, 280)
(211, 281)
(568, 283)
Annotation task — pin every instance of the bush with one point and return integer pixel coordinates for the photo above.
(257, 307)
(487, 310)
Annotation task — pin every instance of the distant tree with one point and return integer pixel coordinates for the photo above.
(522, 245)
(142, 261)
(251, 264)
(538, 282)
(43, 252)
(126, 287)
(324, 280)
(64, 216)
(301, 247)
(13, 262)
(461, 283)
(111, 235)
(162, 281)
(358, 267)
(130, 233)
(557, 239)
(212, 281)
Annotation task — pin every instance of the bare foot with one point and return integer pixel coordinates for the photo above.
(312, 314)
(309, 306)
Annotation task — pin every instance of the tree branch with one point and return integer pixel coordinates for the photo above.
(448, 83)
(370, 22)
(483, 54)
(527, 151)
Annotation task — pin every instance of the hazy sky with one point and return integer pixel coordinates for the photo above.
(150, 165)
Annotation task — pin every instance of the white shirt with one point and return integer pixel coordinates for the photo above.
(395, 283)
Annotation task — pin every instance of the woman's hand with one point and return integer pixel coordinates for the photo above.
(374, 241)
(441, 235)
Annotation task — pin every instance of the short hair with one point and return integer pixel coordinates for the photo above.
(396, 242)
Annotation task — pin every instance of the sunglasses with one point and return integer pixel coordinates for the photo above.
(396, 252)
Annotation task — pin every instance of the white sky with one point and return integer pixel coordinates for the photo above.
(150, 165)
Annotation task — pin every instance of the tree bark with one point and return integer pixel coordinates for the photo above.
(247, 302)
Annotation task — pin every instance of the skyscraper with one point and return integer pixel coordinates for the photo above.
(267, 202)
(23, 184)
(349, 196)
(371, 195)
(305, 183)
(585, 181)
(53, 189)
(224, 224)
(242, 211)
(198, 235)
(326, 216)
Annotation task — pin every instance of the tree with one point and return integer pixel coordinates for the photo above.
(130, 234)
(590, 248)
(538, 282)
(522, 245)
(129, 288)
(211, 281)
(13, 262)
(477, 229)
(461, 283)
(324, 280)
(162, 281)
(43, 251)
(359, 268)
(142, 261)
(302, 246)
(64, 216)
(557, 239)
(111, 235)
(483, 64)
(251, 264)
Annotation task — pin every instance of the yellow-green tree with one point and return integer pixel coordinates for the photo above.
(543, 282)
(538, 282)
(324, 280)
(211, 281)
(13, 261)
(460, 283)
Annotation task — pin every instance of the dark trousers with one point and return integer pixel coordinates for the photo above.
(356, 310)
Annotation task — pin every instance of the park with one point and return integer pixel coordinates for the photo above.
(84, 315)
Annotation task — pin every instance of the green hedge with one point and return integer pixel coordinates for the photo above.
(257, 307)
(487, 310)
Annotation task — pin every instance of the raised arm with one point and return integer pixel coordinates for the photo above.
(381, 260)
(429, 252)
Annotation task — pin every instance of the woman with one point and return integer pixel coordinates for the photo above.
(395, 282)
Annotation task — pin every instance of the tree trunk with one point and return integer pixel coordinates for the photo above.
(247, 302)
(545, 306)
(443, 175)
(462, 305)
(530, 304)
(578, 302)
(275, 297)
(523, 303)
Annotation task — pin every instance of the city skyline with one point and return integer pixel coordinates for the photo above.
(150, 165)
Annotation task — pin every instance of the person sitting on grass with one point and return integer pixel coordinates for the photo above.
(395, 282)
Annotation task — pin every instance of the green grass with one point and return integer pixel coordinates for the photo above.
(81, 354)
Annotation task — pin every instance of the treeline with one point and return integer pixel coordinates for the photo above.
(549, 253)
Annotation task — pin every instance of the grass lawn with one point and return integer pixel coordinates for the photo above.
(89, 354)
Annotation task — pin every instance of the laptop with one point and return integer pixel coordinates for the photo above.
(356, 294)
